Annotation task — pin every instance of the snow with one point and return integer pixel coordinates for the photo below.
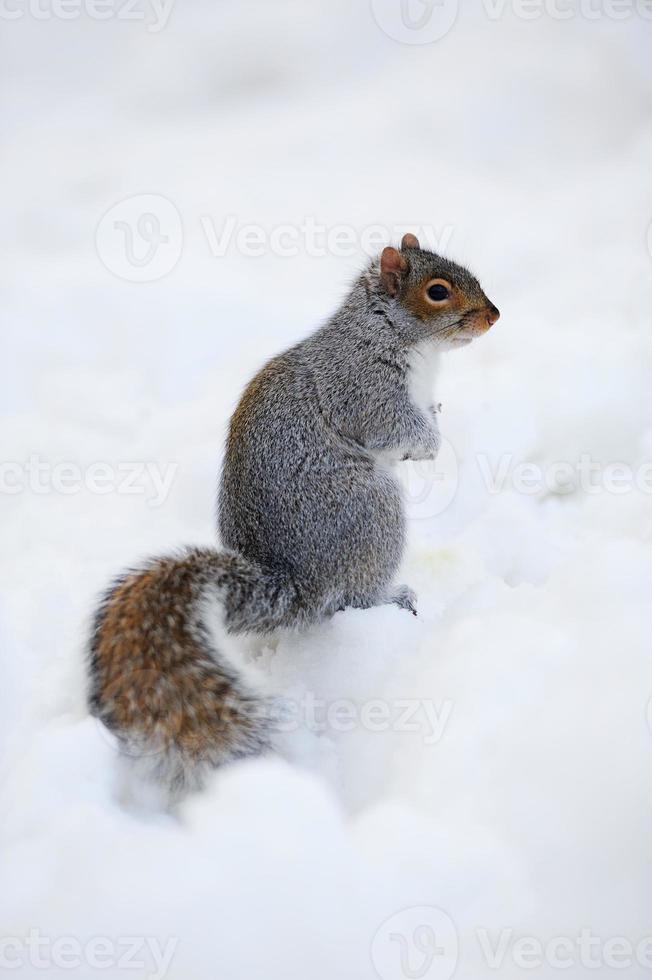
(516, 798)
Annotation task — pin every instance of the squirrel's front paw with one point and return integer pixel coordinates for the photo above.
(428, 449)
(405, 598)
(417, 455)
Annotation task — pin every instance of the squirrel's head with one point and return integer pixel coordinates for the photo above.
(445, 302)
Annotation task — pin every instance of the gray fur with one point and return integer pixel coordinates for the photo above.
(309, 511)
(305, 490)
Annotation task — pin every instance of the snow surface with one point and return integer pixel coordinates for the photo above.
(524, 802)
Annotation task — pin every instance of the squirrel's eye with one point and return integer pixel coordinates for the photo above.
(437, 292)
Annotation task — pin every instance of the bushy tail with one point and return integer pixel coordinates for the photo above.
(161, 677)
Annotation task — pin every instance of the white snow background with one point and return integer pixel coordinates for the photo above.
(528, 814)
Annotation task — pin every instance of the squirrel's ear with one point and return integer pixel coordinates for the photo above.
(410, 241)
(392, 267)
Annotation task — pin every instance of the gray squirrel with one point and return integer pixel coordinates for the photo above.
(310, 514)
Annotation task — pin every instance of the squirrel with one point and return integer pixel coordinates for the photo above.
(310, 515)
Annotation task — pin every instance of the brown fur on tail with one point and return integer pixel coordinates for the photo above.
(159, 681)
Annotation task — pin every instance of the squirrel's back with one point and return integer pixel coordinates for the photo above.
(309, 510)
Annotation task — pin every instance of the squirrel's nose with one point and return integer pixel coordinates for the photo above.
(493, 314)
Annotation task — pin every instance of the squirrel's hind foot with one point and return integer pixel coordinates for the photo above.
(405, 598)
